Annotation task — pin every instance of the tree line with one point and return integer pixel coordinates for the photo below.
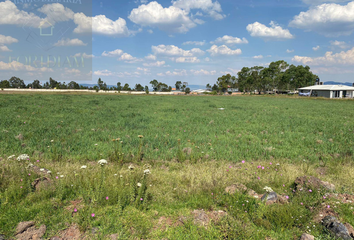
(278, 76)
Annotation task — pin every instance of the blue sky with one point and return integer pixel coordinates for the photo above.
(194, 41)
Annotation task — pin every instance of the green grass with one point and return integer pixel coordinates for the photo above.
(249, 128)
(260, 130)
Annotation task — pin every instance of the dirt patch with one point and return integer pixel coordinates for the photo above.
(42, 183)
(344, 198)
(27, 231)
(310, 182)
(165, 222)
(324, 211)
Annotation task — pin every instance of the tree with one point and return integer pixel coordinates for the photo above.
(16, 82)
(208, 86)
(183, 87)
(73, 85)
(276, 70)
(188, 90)
(4, 84)
(215, 88)
(256, 81)
(126, 87)
(138, 87)
(146, 89)
(36, 84)
(226, 81)
(178, 85)
(53, 83)
(102, 85)
(119, 86)
(154, 84)
(298, 76)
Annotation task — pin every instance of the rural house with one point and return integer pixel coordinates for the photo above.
(328, 91)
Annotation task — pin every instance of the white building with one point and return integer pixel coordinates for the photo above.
(328, 91)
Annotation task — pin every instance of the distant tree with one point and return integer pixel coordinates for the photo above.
(53, 83)
(225, 81)
(215, 87)
(187, 90)
(183, 88)
(126, 87)
(119, 86)
(102, 85)
(36, 84)
(139, 87)
(208, 86)
(154, 83)
(4, 84)
(73, 85)
(298, 76)
(16, 82)
(146, 89)
(178, 85)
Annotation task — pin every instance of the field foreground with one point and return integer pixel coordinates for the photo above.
(174, 168)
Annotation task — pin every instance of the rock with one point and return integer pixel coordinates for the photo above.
(306, 236)
(27, 231)
(72, 233)
(19, 137)
(2, 237)
(56, 238)
(239, 187)
(41, 183)
(113, 236)
(200, 217)
(310, 182)
(350, 229)
(282, 199)
(270, 198)
(336, 227)
(187, 150)
(23, 226)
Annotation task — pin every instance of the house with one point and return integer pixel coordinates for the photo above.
(328, 91)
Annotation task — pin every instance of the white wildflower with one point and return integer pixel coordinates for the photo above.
(30, 165)
(139, 184)
(146, 171)
(277, 164)
(83, 167)
(255, 196)
(51, 140)
(121, 176)
(61, 176)
(268, 189)
(96, 144)
(23, 157)
(12, 156)
(115, 174)
(102, 162)
(49, 172)
(131, 167)
(42, 169)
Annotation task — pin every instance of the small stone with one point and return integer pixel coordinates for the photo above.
(270, 198)
(200, 218)
(239, 187)
(306, 236)
(350, 229)
(2, 237)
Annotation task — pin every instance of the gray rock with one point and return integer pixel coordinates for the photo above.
(336, 228)
(270, 198)
(2, 237)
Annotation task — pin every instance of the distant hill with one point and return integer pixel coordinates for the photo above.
(338, 83)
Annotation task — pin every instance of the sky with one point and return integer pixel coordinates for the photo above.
(194, 41)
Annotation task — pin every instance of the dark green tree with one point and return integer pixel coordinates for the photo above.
(16, 82)
(146, 89)
(119, 86)
(4, 84)
(178, 85)
(187, 90)
(154, 83)
(73, 85)
(126, 87)
(139, 87)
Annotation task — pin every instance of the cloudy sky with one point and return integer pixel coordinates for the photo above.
(196, 41)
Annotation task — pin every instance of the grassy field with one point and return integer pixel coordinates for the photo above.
(192, 150)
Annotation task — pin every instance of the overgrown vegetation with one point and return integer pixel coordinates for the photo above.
(166, 159)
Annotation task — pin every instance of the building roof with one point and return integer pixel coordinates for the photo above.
(329, 88)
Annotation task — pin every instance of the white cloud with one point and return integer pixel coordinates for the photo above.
(187, 60)
(327, 19)
(150, 57)
(207, 59)
(316, 48)
(229, 40)
(274, 32)
(154, 64)
(213, 9)
(103, 73)
(177, 72)
(223, 50)
(100, 24)
(72, 71)
(56, 12)
(339, 44)
(171, 19)
(84, 55)
(172, 50)
(203, 72)
(197, 43)
(114, 53)
(317, 2)
(289, 51)
(4, 48)
(69, 42)
(150, 31)
(329, 59)
(258, 57)
(9, 14)
(7, 39)
(230, 71)
(129, 58)
(17, 66)
(331, 70)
